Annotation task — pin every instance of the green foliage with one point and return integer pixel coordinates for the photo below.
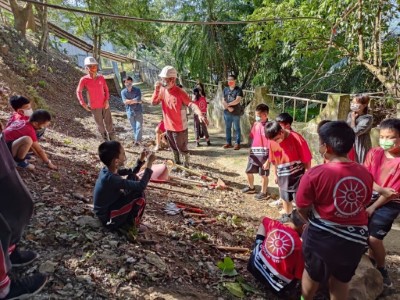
(227, 266)
(234, 288)
(42, 83)
(199, 236)
(37, 99)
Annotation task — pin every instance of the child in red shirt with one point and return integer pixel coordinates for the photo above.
(200, 128)
(22, 109)
(277, 258)
(285, 120)
(384, 164)
(21, 136)
(290, 154)
(258, 158)
(334, 196)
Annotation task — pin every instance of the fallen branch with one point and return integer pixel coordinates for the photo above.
(232, 249)
(174, 191)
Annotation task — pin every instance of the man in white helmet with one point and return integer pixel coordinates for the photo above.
(98, 95)
(173, 101)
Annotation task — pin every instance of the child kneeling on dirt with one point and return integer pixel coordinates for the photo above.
(258, 158)
(277, 258)
(119, 202)
(21, 136)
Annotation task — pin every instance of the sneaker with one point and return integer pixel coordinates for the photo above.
(198, 144)
(25, 165)
(249, 190)
(156, 148)
(226, 146)
(237, 147)
(30, 158)
(208, 143)
(261, 196)
(387, 282)
(275, 203)
(22, 258)
(26, 287)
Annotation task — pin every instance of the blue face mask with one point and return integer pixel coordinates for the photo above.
(258, 119)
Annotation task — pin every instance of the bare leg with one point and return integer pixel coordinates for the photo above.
(377, 251)
(308, 286)
(158, 137)
(20, 147)
(250, 180)
(287, 207)
(337, 289)
(264, 184)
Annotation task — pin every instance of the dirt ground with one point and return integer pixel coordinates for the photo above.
(173, 259)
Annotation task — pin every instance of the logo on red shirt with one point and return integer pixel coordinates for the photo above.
(16, 125)
(279, 244)
(349, 194)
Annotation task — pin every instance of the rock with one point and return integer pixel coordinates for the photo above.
(367, 283)
(47, 267)
(226, 235)
(121, 272)
(88, 221)
(156, 261)
(84, 278)
(211, 267)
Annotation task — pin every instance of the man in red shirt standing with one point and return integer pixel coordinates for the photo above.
(173, 101)
(334, 196)
(98, 96)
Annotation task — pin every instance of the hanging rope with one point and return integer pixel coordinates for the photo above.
(141, 20)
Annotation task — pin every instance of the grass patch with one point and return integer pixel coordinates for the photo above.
(37, 99)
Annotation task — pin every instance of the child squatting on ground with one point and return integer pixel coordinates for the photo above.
(119, 202)
(291, 156)
(383, 163)
(334, 196)
(277, 258)
(21, 137)
(258, 158)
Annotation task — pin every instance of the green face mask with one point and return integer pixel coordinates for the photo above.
(386, 144)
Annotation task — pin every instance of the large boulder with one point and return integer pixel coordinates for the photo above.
(367, 283)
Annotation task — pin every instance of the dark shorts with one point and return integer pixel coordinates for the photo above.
(178, 140)
(381, 221)
(255, 169)
(9, 146)
(287, 196)
(328, 255)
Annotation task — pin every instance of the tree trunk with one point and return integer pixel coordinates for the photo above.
(44, 37)
(392, 87)
(360, 32)
(21, 15)
(96, 31)
(377, 37)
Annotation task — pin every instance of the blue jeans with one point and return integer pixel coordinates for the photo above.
(229, 120)
(136, 121)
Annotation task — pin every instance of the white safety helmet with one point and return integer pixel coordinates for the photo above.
(168, 72)
(90, 60)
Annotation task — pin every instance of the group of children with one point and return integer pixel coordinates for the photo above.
(335, 215)
(335, 205)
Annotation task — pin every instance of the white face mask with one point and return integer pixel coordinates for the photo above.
(28, 112)
(355, 106)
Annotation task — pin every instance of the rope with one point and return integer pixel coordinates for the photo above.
(141, 20)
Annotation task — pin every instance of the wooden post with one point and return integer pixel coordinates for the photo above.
(306, 112)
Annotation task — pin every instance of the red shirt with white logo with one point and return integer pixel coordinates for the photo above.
(289, 157)
(279, 258)
(16, 117)
(97, 89)
(19, 129)
(201, 104)
(338, 193)
(386, 171)
(173, 103)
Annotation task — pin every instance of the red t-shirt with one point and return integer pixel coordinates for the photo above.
(161, 126)
(19, 129)
(97, 89)
(173, 103)
(338, 192)
(279, 257)
(386, 171)
(289, 157)
(15, 117)
(202, 104)
(260, 144)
